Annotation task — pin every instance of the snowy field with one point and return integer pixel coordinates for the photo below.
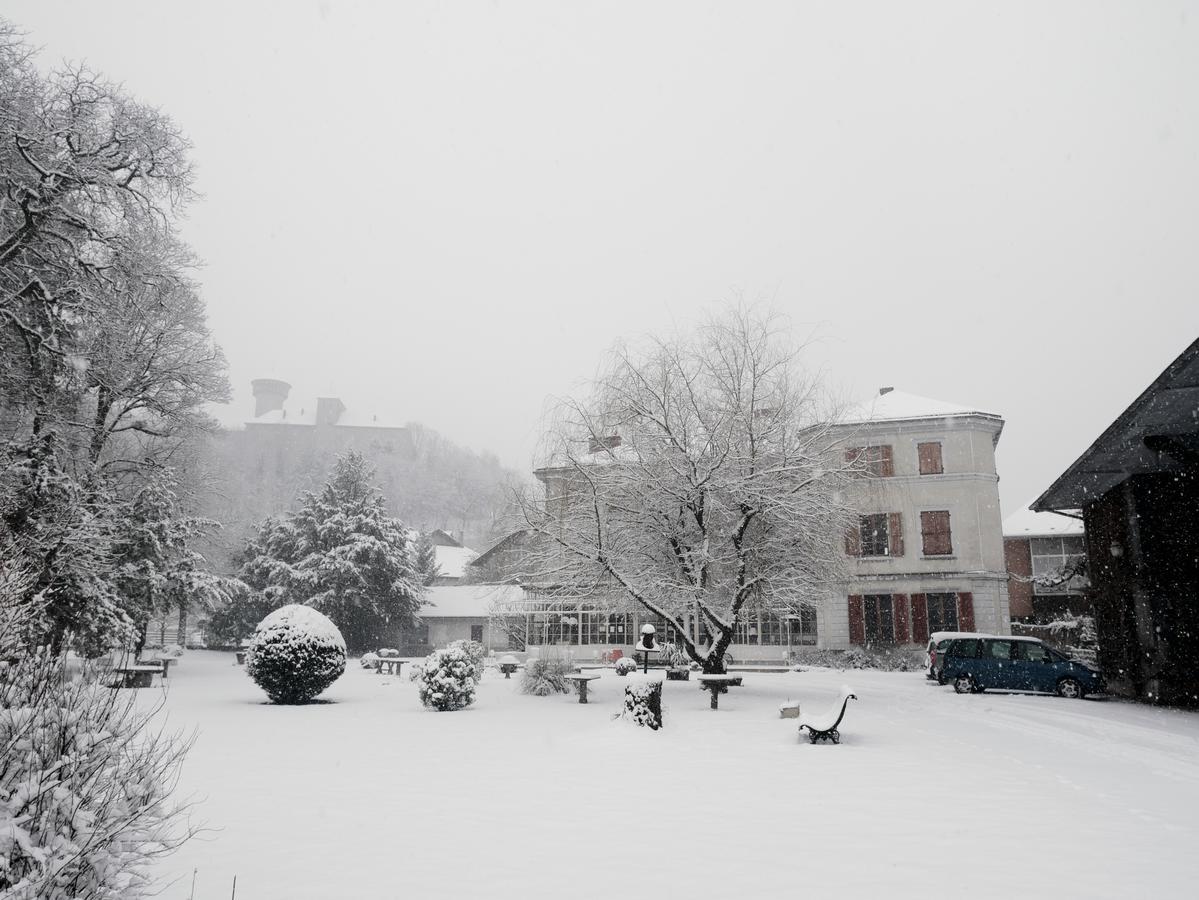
(929, 794)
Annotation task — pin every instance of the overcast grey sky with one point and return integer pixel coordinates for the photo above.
(448, 211)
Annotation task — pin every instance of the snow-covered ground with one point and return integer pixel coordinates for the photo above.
(929, 794)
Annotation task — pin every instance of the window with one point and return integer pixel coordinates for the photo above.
(942, 612)
(879, 615)
(1032, 652)
(930, 458)
(1051, 557)
(476, 633)
(803, 629)
(934, 530)
(964, 649)
(878, 461)
(999, 650)
(873, 531)
(618, 630)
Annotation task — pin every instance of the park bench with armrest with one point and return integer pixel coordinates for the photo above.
(823, 726)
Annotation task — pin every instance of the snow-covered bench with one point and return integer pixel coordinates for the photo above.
(823, 725)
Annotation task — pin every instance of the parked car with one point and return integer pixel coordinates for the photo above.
(976, 663)
(938, 643)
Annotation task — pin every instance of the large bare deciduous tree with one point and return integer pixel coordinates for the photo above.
(699, 477)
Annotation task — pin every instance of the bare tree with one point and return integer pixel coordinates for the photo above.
(700, 478)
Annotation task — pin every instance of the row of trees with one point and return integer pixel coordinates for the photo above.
(106, 360)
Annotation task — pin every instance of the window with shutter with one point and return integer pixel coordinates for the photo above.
(873, 530)
(935, 534)
(930, 458)
(895, 533)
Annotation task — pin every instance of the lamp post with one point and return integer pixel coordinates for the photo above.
(647, 645)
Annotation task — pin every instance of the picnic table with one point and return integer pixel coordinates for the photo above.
(717, 685)
(391, 664)
(137, 675)
(165, 662)
(581, 680)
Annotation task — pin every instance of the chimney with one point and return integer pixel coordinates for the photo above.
(269, 394)
(329, 410)
(885, 390)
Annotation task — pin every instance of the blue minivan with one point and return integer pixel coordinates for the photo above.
(1016, 664)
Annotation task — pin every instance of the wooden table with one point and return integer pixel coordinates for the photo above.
(581, 681)
(166, 662)
(392, 665)
(717, 685)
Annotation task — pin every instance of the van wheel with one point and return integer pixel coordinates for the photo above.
(964, 684)
(1070, 689)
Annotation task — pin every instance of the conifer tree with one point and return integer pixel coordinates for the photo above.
(342, 554)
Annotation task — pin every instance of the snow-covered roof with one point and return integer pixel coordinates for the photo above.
(896, 406)
(452, 561)
(1027, 523)
(473, 601)
(306, 415)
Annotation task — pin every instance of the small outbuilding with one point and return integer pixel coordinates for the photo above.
(1137, 486)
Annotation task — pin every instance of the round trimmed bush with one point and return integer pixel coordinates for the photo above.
(295, 654)
(447, 680)
(625, 665)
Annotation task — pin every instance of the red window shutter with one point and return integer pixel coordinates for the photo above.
(930, 458)
(853, 454)
(857, 620)
(901, 607)
(853, 541)
(934, 532)
(886, 461)
(919, 618)
(895, 534)
(966, 611)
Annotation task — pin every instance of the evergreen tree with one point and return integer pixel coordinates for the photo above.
(342, 554)
(426, 560)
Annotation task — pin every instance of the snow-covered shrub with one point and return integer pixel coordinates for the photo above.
(544, 676)
(295, 654)
(896, 660)
(85, 787)
(625, 665)
(369, 661)
(643, 702)
(170, 651)
(389, 653)
(447, 680)
(477, 653)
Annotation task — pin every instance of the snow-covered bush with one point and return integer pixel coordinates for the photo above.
(543, 676)
(625, 665)
(170, 651)
(643, 702)
(896, 660)
(447, 680)
(85, 782)
(295, 654)
(369, 661)
(389, 653)
(477, 653)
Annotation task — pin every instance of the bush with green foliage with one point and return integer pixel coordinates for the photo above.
(545, 676)
(295, 654)
(477, 653)
(447, 680)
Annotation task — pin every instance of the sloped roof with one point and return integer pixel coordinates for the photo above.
(468, 601)
(452, 561)
(895, 406)
(1158, 432)
(1029, 523)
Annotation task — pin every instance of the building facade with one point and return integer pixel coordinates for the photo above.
(926, 552)
(1038, 548)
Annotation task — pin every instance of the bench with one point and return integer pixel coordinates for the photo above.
(390, 666)
(580, 682)
(717, 685)
(823, 726)
(135, 676)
